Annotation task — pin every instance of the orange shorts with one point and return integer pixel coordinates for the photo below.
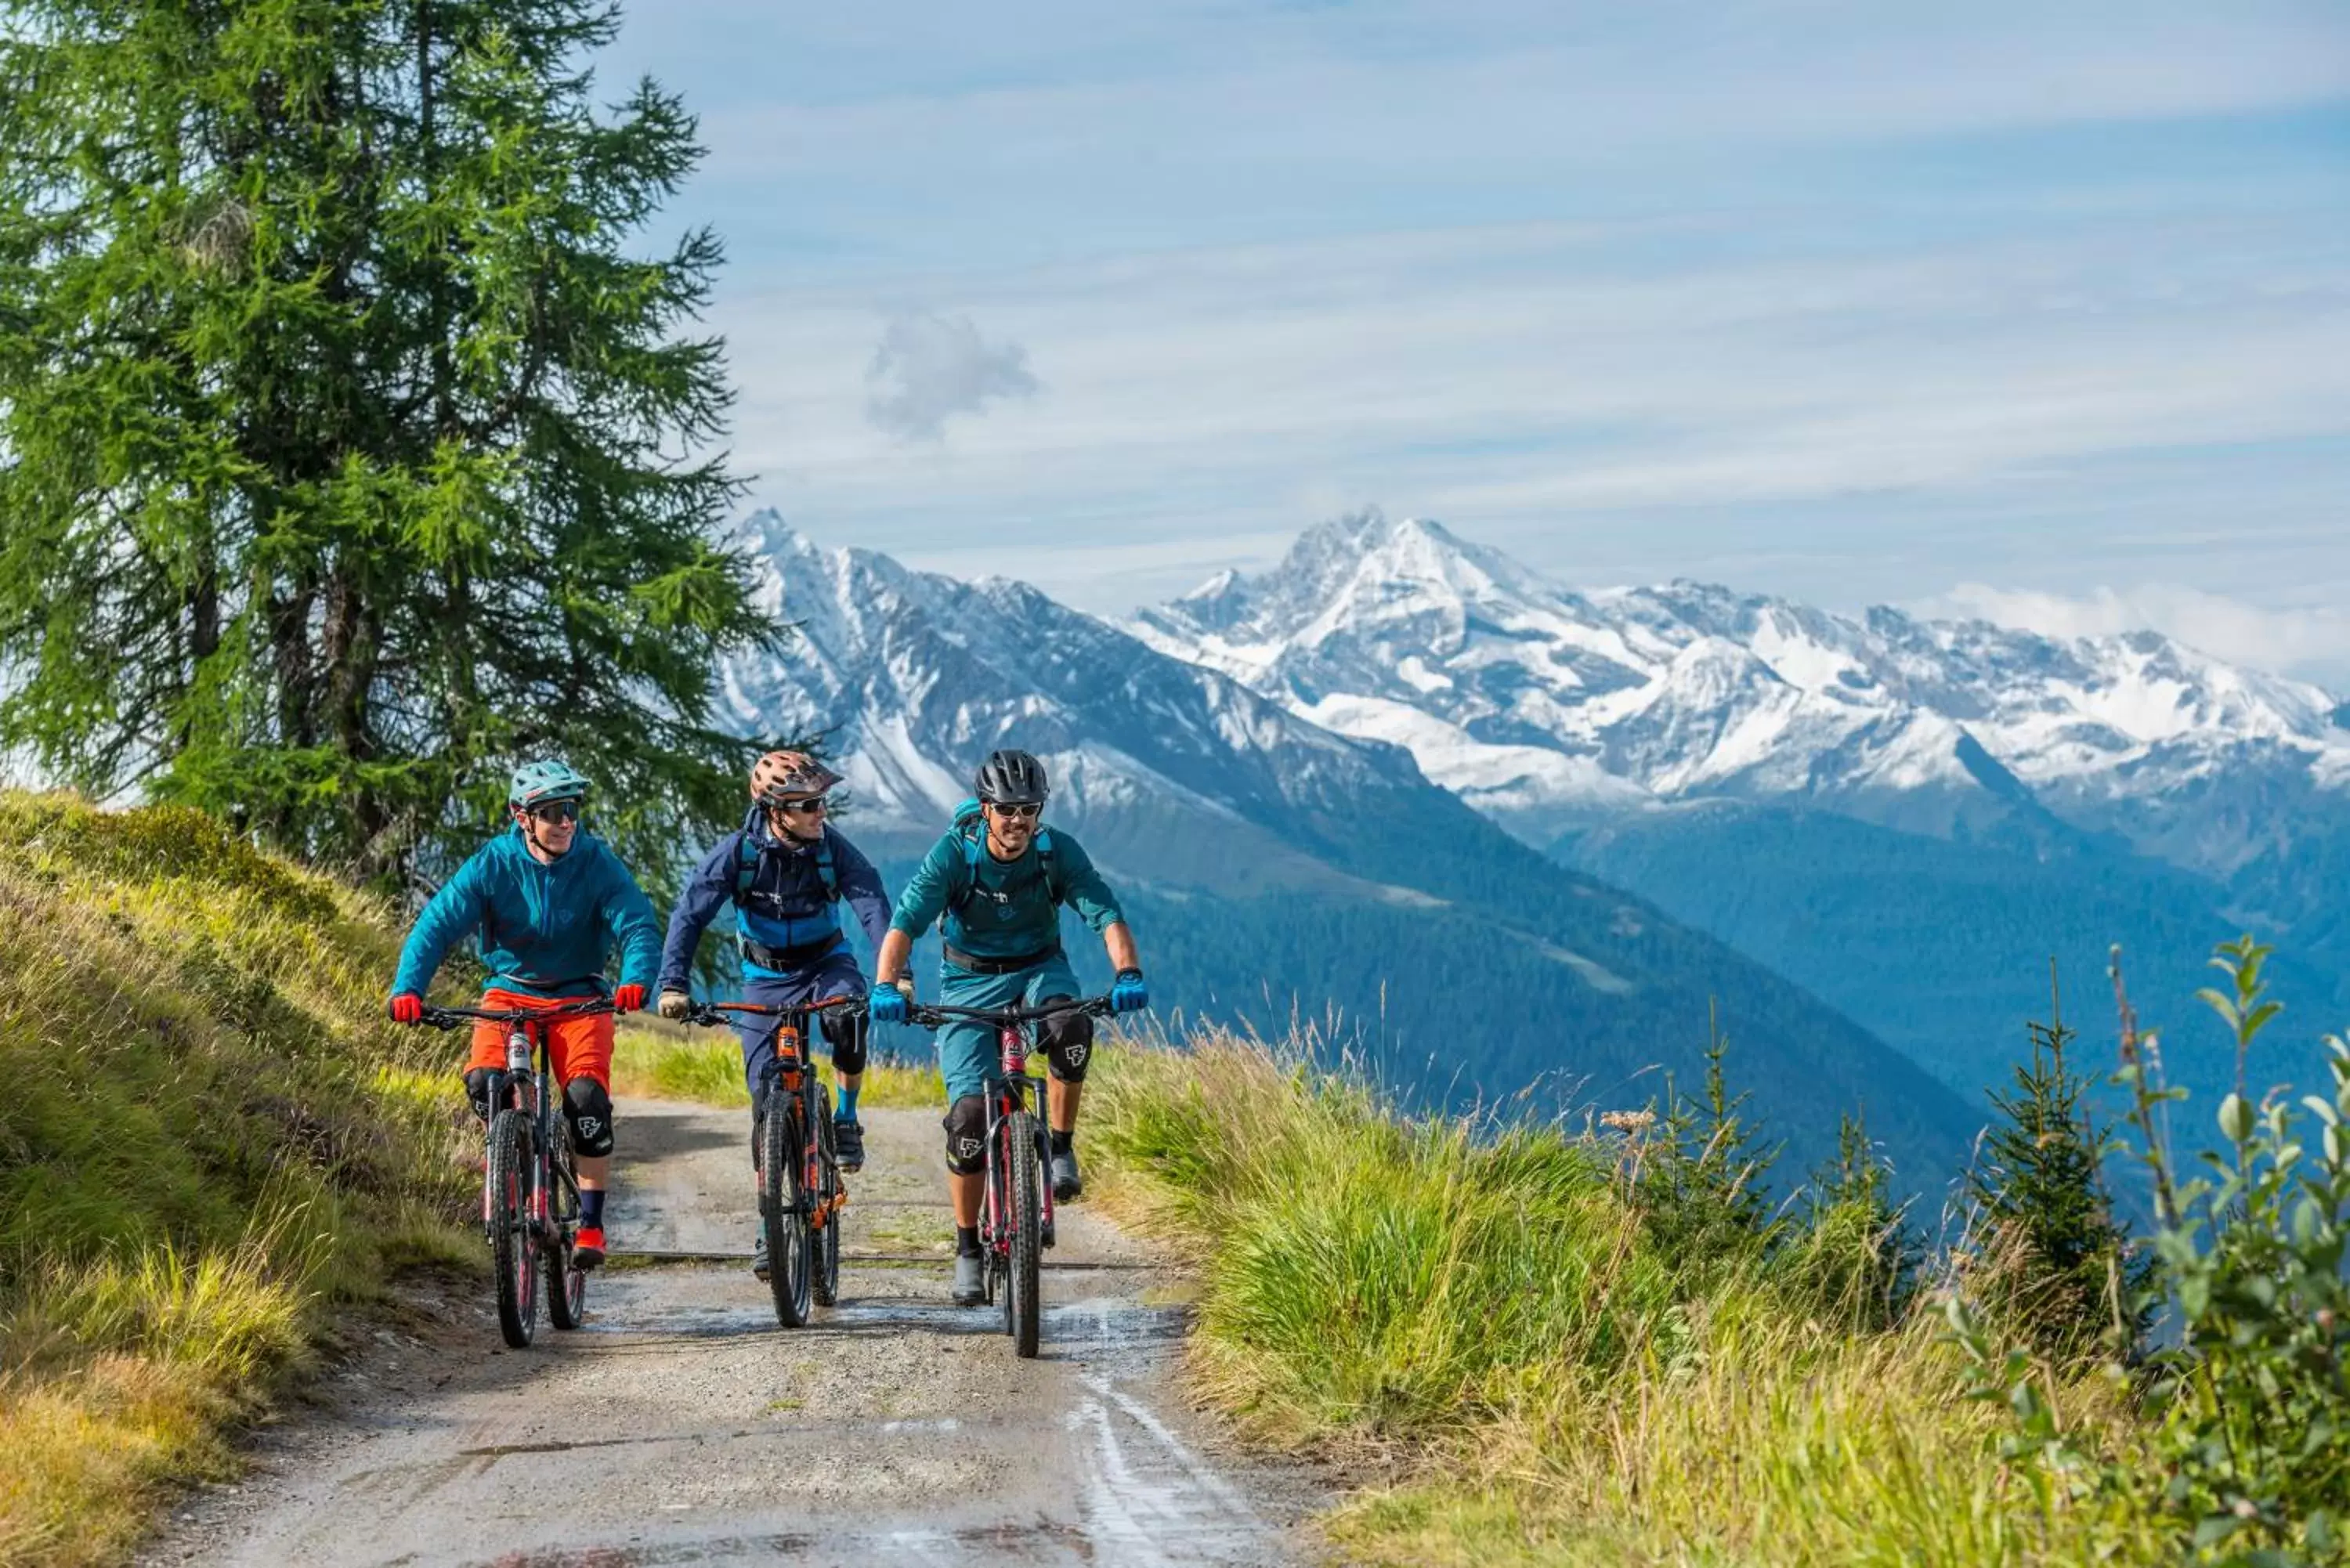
(581, 1047)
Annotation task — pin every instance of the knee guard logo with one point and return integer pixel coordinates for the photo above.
(590, 1128)
(967, 1148)
(1075, 1052)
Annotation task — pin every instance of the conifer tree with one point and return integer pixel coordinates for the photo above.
(348, 454)
(2060, 1265)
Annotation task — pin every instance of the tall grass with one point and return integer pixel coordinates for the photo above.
(210, 1140)
(1493, 1320)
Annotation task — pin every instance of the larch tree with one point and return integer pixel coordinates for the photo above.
(348, 451)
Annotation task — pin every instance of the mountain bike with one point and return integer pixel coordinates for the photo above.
(1016, 1217)
(530, 1192)
(800, 1190)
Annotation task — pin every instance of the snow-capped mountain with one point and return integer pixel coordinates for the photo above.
(1548, 708)
(911, 678)
(1276, 869)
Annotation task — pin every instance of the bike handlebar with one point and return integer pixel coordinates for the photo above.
(930, 1015)
(452, 1017)
(713, 1013)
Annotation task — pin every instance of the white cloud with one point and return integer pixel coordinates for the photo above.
(929, 369)
(1825, 298)
(1536, 384)
(2313, 641)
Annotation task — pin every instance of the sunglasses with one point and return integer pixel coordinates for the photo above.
(556, 811)
(1018, 813)
(802, 808)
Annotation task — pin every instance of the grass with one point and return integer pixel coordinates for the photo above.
(705, 1065)
(212, 1144)
(1485, 1323)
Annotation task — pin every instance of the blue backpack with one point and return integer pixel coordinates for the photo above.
(746, 866)
(971, 828)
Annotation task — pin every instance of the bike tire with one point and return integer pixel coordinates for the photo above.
(1023, 1306)
(784, 1215)
(825, 1286)
(567, 1284)
(514, 1252)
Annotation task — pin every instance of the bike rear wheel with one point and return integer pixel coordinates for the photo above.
(783, 1146)
(825, 1286)
(1024, 1309)
(513, 1251)
(566, 1282)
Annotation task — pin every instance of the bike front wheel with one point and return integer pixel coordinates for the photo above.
(513, 1251)
(826, 1287)
(1024, 1309)
(782, 1148)
(566, 1282)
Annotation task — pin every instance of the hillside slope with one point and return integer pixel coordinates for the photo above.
(1944, 946)
(212, 1144)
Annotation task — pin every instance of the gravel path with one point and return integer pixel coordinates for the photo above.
(682, 1426)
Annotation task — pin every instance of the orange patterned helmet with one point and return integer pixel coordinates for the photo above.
(780, 776)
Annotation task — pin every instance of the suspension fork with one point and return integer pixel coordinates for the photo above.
(796, 1074)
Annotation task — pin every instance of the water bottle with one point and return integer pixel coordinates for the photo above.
(517, 1051)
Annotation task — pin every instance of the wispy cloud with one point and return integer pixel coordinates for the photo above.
(929, 369)
(1829, 297)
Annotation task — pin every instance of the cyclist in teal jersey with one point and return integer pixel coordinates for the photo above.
(999, 878)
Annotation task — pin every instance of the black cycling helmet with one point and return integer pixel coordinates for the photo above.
(1011, 778)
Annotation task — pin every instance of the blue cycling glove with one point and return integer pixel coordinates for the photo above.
(1128, 993)
(886, 1005)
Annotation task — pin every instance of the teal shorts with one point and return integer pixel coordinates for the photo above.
(970, 1058)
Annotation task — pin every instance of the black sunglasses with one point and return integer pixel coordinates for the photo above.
(801, 808)
(1018, 813)
(556, 811)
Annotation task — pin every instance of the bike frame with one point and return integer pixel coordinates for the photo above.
(1014, 1036)
(524, 1084)
(794, 1072)
(1012, 1040)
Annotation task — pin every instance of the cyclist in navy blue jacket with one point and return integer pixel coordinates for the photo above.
(786, 871)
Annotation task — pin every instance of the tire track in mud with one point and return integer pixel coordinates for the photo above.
(680, 1425)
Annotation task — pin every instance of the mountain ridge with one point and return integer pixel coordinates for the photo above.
(1545, 706)
(1273, 865)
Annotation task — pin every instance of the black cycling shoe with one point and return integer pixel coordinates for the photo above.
(759, 1265)
(970, 1281)
(848, 1145)
(1067, 1182)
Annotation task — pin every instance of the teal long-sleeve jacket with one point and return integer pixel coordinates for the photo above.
(997, 909)
(545, 931)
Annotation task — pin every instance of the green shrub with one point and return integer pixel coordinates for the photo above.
(2246, 1458)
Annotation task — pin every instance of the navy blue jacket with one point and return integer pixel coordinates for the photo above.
(786, 905)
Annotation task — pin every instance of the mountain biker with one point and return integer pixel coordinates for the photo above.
(785, 871)
(999, 878)
(548, 901)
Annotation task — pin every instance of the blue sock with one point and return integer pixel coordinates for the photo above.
(848, 1111)
(591, 1207)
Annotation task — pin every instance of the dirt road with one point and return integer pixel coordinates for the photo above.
(682, 1426)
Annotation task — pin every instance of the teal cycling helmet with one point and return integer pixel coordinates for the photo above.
(535, 784)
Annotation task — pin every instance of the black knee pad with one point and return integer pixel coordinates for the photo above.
(847, 1037)
(477, 1089)
(588, 1106)
(1068, 1043)
(966, 1125)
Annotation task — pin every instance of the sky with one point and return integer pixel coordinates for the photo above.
(2039, 312)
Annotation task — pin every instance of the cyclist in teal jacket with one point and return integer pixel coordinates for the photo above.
(999, 878)
(549, 900)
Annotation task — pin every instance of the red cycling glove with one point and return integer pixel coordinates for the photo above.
(628, 999)
(408, 1008)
